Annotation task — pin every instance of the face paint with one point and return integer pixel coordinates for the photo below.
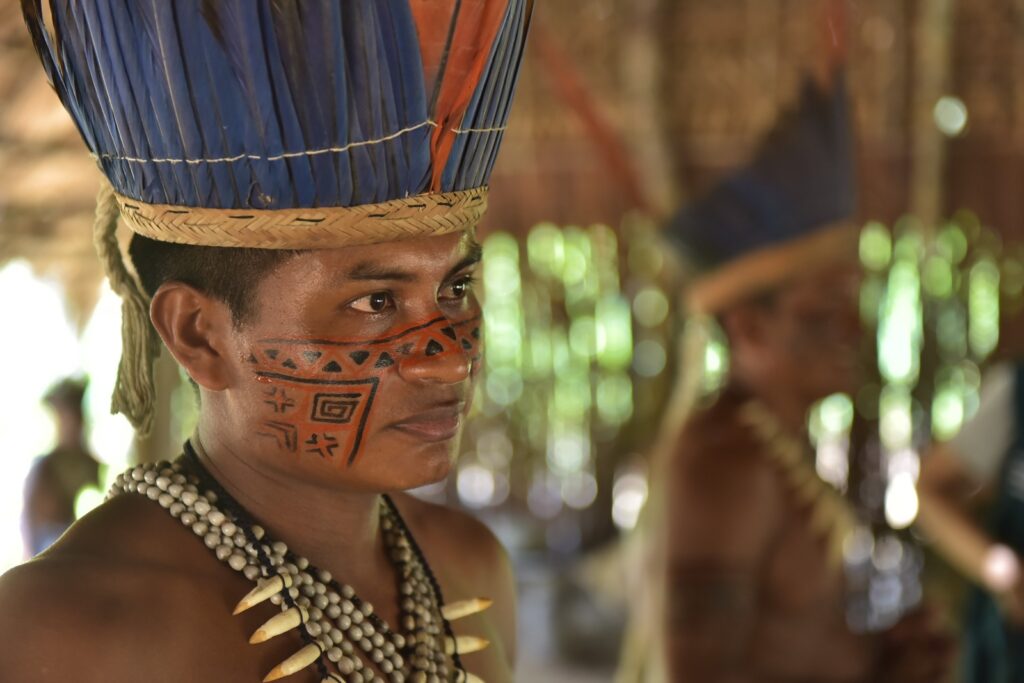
(319, 394)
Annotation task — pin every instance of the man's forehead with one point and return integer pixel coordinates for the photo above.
(407, 259)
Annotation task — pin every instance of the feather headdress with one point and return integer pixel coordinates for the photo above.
(777, 214)
(283, 124)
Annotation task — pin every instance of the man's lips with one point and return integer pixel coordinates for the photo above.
(435, 424)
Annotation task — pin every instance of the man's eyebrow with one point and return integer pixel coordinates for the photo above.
(474, 256)
(378, 272)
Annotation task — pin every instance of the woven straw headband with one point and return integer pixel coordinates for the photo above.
(322, 228)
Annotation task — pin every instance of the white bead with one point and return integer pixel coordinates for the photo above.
(152, 493)
(188, 518)
(137, 474)
(258, 532)
(336, 635)
(333, 611)
(216, 518)
(302, 562)
(252, 572)
(334, 654)
(202, 506)
(212, 539)
(149, 476)
(320, 601)
(276, 599)
(188, 498)
(165, 500)
(313, 629)
(223, 552)
(228, 528)
(179, 479)
(175, 490)
(237, 562)
(162, 483)
(176, 508)
(199, 528)
(141, 487)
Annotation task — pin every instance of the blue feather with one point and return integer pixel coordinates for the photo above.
(266, 103)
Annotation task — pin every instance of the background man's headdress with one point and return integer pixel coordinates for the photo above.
(780, 213)
(279, 124)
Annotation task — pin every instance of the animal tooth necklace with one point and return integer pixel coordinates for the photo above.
(344, 638)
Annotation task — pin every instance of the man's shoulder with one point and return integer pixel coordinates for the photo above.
(725, 498)
(111, 583)
(716, 445)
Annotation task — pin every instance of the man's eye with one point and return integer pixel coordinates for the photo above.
(459, 289)
(373, 303)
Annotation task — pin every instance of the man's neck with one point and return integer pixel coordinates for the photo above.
(789, 409)
(332, 529)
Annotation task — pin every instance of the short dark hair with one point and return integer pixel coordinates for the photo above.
(229, 274)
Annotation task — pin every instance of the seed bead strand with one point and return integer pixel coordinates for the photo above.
(336, 620)
(309, 592)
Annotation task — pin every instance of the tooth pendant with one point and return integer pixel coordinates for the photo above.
(465, 645)
(297, 662)
(279, 623)
(465, 608)
(264, 591)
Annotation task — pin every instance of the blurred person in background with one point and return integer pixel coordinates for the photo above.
(304, 181)
(971, 492)
(55, 480)
(755, 590)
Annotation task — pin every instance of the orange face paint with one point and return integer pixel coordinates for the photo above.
(319, 394)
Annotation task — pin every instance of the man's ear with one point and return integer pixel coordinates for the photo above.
(196, 329)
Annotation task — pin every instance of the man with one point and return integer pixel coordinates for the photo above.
(754, 582)
(56, 478)
(303, 179)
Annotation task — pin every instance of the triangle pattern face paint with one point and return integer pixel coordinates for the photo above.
(322, 407)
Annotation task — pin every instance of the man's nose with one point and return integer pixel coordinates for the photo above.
(441, 360)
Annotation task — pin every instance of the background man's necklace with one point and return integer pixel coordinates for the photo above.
(339, 629)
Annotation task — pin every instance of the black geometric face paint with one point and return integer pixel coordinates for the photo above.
(319, 393)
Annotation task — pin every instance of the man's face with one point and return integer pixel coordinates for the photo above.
(358, 366)
(810, 333)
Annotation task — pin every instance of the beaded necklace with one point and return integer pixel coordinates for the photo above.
(338, 629)
(831, 516)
